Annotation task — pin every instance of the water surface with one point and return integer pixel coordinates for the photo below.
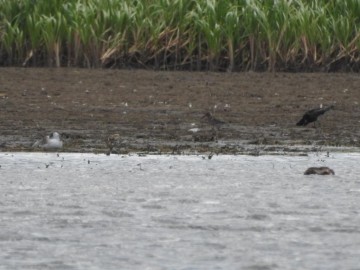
(86, 211)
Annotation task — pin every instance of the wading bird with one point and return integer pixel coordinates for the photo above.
(212, 120)
(112, 141)
(312, 115)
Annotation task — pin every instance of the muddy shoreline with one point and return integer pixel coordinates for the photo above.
(161, 112)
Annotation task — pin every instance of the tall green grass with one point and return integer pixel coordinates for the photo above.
(182, 34)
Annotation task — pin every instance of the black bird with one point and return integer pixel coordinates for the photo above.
(312, 115)
(212, 120)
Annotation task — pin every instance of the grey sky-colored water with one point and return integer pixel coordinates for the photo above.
(86, 211)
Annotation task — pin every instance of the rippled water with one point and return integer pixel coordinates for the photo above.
(85, 211)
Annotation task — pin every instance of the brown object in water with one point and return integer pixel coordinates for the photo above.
(319, 171)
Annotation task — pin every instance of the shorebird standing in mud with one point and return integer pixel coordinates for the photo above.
(52, 142)
(213, 121)
(312, 115)
(319, 171)
(215, 125)
(112, 141)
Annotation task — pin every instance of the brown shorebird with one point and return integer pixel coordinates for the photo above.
(312, 115)
(112, 141)
(319, 171)
(212, 120)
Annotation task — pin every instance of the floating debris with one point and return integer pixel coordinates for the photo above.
(319, 171)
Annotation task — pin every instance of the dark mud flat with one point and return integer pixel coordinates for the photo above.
(154, 111)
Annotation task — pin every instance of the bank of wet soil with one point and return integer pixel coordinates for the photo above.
(155, 111)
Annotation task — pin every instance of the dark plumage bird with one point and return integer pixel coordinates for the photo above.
(312, 115)
(319, 171)
(212, 120)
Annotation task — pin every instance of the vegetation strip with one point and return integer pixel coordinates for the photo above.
(233, 35)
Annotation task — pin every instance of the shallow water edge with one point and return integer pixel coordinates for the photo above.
(87, 211)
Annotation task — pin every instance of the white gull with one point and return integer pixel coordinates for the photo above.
(50, 142)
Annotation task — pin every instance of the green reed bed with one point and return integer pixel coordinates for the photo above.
(182, 34)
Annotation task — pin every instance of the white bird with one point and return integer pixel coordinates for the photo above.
(50, 142)
(194, 130)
